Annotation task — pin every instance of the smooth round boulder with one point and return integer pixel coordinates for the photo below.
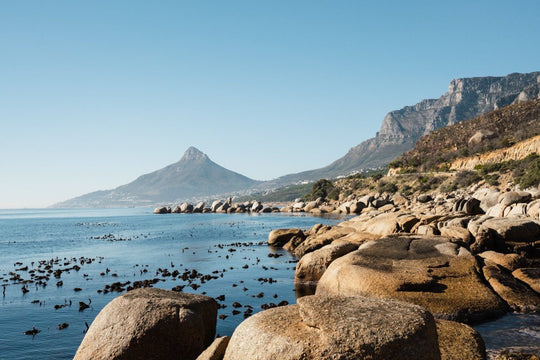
(431, 272)
(161, 210)
(514, 197)
(458, 341)
(329, 327)
(280, 237)
(151, 323)
(312, 265)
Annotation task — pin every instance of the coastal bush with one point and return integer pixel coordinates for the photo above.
(527, 171)
(447, 187)
(285, 194)
(387, 187)
(406, 189)
(377, 176)
(325, 189)
(466, 178)
(428, 182)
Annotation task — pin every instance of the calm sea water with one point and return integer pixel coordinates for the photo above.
(123, 246)
(88, 250)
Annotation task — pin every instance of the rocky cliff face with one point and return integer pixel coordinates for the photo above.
(465, 99)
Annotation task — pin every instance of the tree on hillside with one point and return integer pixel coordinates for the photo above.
(323, 188)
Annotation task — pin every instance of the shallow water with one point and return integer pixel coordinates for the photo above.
(134, 245)
(516, 332)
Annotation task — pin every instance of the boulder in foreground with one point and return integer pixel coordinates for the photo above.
(151, 323)
(328, 327)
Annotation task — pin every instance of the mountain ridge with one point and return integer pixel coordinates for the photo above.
(194, 175)
(465, 99)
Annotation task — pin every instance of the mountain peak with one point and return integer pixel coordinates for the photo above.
(192, 153)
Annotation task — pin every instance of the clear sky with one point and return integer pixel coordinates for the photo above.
(95, 93)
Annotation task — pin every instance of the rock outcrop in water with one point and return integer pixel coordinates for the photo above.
(441, 252)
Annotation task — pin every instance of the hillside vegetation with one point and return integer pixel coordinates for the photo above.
(427, 167)
(495, 130)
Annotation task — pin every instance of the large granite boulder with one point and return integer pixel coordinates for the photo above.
(510, 262)
(488, 197)
(517, 295)
(376, 223)
(199, 207)
(514, 197)
(504, 234)
(216, 205)
(323, 327)
(186, 208)
(468, 206)
(151, 323)
(162, 210)
(530, 276)
(533, 209)
(312, 265)
(431, 272)
(340, 233)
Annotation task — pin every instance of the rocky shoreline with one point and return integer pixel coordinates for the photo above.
(403, 279)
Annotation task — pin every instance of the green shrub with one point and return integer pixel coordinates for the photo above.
(387, 187)
(466, 178)
(428, 182)
(406, 190)
(323, 188)
(527, 171)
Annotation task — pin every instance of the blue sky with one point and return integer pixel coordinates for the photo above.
(96, 93)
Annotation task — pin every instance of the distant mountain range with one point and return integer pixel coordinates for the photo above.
(465, 99)
(195, 176)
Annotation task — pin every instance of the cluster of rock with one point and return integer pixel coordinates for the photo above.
(466, 259)
(160, 324)
(315, 207)
(351, 206)
(219, 206)
(402, 280)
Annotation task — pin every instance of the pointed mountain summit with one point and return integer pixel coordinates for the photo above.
(194, 176)
(194, 154)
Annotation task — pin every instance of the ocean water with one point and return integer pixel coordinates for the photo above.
(51, 260)
(128, 245)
